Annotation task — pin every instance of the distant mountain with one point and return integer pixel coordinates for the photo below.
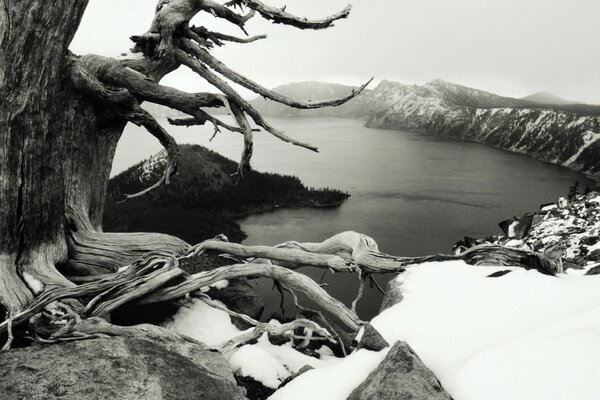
(202, 199)
(565, 134)
(547, 98)
(308, 91)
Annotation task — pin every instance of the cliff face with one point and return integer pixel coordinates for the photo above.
(565, 134)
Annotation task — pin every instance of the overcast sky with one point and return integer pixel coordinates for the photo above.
(511, 47)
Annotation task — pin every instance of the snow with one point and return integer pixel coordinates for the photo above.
(267, 363)
(525, 335)
(204, 323)
(335, 381)
(589, 138)
(34, 284)
(271, 364)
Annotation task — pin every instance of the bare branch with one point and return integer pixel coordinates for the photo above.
(243, 123)
(290, 279)
(290, 258)
(220, 84)
(218, 38)
(141, 117)
(277, 330)
(361, 288)
(280, 16)
(240, 79)
(9, 318)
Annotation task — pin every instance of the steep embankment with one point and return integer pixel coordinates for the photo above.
(203, 199)
(565, 134)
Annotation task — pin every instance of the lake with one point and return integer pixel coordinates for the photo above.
(414, 194)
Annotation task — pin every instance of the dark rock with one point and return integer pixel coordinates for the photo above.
(117, 368)
(372, 339)
(594, 255)
(240, 297)
(290, 378)
(255, 390)
(568, 264)
(594, 271)
(517, 228)
(393, 295)
(590, 240)
(498, 274)
(401, 375)
(202, 262)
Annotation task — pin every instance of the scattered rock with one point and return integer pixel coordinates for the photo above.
(115, 368)
(594, 271)
(393, 295)
(498, 274)
(401, 375)
(290, 378)
(593, 256)
(372, 339)
(517, 228)
(590, 240)
(255, 390)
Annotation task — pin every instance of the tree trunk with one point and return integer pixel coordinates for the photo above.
(56, 151)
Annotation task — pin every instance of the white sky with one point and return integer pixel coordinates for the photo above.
(510, 47)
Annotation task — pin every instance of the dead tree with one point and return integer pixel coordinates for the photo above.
(61, 116)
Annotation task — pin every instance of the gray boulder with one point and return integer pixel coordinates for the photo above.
(400, 376)
(117, 368)
(393, 295)
(372, 339)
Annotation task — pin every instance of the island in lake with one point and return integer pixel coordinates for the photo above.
(204, 198)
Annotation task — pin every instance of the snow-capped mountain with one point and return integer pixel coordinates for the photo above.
(565, 134)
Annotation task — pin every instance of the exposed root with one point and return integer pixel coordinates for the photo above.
(286, 330)
(9, 333)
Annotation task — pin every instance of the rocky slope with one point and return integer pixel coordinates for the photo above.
(565, 134)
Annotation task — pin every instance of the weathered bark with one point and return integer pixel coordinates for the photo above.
(56, 151)
(41, 120)
(61, 116)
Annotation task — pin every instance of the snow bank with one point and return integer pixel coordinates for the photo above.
(263, 361)
(524, 336)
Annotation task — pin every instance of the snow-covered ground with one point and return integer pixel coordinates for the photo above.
(524, 336)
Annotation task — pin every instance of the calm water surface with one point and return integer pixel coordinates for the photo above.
(413, 194)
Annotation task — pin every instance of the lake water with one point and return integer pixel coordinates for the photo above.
(414, 194)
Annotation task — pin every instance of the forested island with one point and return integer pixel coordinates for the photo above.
(204, 198)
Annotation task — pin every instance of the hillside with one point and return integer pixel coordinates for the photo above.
(564, 134)
(547, 98)
(203, 199)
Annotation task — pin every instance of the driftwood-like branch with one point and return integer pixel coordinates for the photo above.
(286, 330)
(290, 258)
(290, 279)
(218, 38)
(280, 16)
(240, 79)
(199, 68)
(9, 333)
(248, 149)
(211, 303)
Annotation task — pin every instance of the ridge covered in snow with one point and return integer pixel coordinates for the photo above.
(564, 134)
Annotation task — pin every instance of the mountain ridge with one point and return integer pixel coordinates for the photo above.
(564, 134)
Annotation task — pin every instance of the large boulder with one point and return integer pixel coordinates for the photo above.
(401, 375)
(117, 368)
